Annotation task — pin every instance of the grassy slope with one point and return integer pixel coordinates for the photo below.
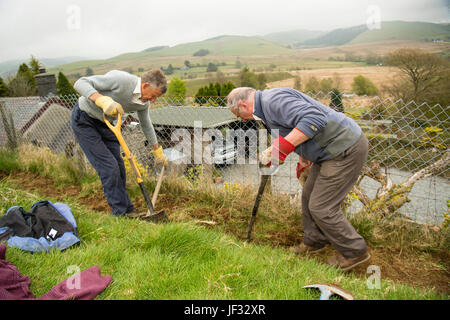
(292, 36)
(401, 30)
(180, 261)
(218, 47)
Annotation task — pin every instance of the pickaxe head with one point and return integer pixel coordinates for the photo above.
(327, 290)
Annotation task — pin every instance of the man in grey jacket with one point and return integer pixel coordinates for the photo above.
(337, 149)
(109, 94)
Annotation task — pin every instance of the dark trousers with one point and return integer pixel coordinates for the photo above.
(325, 188)
(102, 149)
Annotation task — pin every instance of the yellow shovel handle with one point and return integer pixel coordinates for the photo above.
(116, 130)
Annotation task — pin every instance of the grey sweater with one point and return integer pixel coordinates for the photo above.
(329, 132)
(118, 85)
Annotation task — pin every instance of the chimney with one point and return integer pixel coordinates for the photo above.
(46, 83)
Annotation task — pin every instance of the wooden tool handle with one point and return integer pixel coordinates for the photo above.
(158, 185)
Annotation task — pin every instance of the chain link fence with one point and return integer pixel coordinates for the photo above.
(202, 136)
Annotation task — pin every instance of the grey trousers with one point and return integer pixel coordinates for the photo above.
(326, 187)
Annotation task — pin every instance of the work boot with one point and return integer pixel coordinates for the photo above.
(348, 263)
(304, 249)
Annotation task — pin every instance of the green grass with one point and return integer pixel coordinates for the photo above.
(181, 261)
(188, 259)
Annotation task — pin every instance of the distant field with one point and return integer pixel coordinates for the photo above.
(378, 75)
(375, 47)
(316, 58)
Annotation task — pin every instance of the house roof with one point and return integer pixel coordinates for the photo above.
(26, 111)
(190, 117)
(22, 109)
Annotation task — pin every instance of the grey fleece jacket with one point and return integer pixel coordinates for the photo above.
(330, 133)
(118, 85)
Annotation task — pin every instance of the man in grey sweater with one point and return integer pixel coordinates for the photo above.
(107, 95)
(334, 144)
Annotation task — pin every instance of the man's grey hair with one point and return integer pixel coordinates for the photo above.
(156, 79)
(238, 94)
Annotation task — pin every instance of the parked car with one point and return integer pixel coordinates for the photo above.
(223, 152)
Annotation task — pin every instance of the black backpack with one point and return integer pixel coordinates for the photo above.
(42, 221)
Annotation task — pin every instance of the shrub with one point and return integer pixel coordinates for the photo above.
(363, 86)
(63, 85)
(177, 89)
(312, 85)
(336, 100)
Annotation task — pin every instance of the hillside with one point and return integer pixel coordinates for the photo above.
(390, 30)
(225, 46)
(335, 37)
(401, 30)
(289, 38)
(154, 57)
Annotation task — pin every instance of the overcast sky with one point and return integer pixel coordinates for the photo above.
(105, 28)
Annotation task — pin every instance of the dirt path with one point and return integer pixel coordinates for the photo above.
(426, 270)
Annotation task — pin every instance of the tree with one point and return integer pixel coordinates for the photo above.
(23, 84)
(226, 88)
(177, 89)
(63, 86)
(214, 90)
(423, 75)
(211, 67)
(312, 85)
(168, 70)
(298, 83)
(326, 85)
(363, 86)
(187, 63)
(89, 72)
(220, 77)
(262, 81)
(373, 59)
(4, 91)
(336, 100)
(35, 65)
(248, 78)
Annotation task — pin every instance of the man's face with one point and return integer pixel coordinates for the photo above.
(149, 94)
(245, 111)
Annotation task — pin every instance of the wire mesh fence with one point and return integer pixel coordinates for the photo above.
(202, 136)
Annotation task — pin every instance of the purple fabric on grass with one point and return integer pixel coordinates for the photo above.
(85, 285)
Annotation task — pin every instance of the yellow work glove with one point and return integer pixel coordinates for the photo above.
(160, 158)
(109, 106)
